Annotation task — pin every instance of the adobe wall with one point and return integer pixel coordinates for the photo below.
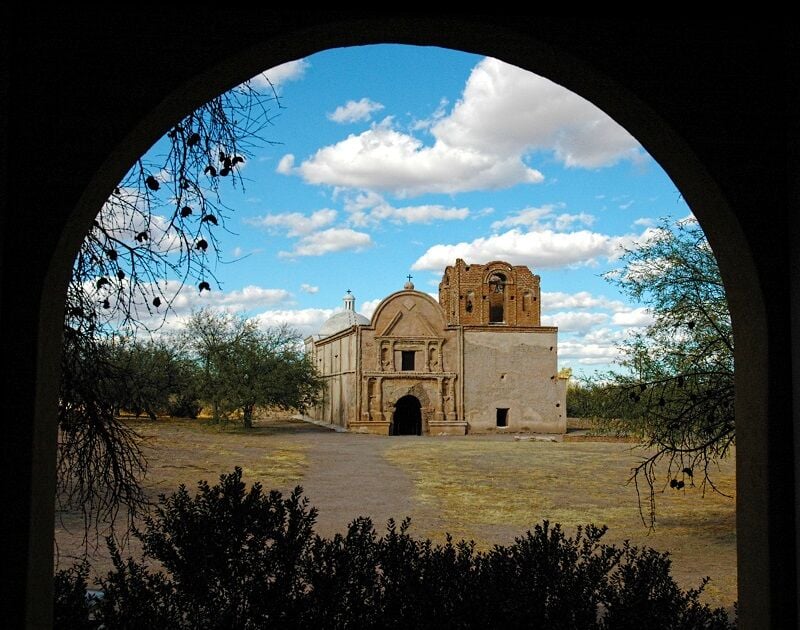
(412, 322)
(514, 370)
(336, 358)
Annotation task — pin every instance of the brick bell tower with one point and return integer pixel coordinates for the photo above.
(495, 294)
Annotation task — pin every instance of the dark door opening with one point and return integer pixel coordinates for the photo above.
(502, 417)
(407, 418)
(407, 361)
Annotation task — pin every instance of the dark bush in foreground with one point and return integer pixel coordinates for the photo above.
(233, 558)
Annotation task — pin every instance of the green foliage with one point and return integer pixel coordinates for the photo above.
(155, 377)
(676, 386)
(229, 557)
(241, 367)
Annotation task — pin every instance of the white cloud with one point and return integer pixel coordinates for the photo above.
(544, 218)
(544, 248)
(328, 241)
(571, 321)
(438, 114)
(368, 208)
(285, 165)
(296, 223)
(585, 352)
(354, 111)
(511, 111)
(504, 114)
(556, 300)
(309, 288)
(640, 316)
(367, 308)
(383, 158)
(644, 222)
(529, 217)
(566, 221)
(245, 299)
(124, 217)
(306, 320)
(289, 71)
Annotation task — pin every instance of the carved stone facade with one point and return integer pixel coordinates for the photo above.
(475, 361)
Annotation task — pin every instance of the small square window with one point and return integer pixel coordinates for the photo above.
(502, 417)
(408, 360)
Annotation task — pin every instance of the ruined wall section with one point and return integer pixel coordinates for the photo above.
(494, 293)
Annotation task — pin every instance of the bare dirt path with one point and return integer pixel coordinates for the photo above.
(348, 476)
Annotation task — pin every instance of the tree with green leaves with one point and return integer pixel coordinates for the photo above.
(675, 390)
(156, 377)
(241, 367)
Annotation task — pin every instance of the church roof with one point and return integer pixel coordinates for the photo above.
(343, 319)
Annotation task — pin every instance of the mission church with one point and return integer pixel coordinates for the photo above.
(476, 360)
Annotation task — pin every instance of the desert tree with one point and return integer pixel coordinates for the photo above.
(675, 389)
(241, 367)
(155, 234)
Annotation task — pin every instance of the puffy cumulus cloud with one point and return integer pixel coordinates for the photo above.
(544, 217)
(355, 111)
(369, 208)
(504, 115)
(296, 223)
(640, 316)
(540, 249)
(571, 321)
(383, 158)
(553, 301)
(510, 111)
(284, 73)
(309, 288)
(329, 241)
(285, 165)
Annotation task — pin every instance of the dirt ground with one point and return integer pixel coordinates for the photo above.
(489, 488)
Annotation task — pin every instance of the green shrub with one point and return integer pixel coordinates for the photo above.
(237, 558)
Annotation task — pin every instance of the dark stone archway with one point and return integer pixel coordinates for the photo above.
(407, 417)
(703, 101)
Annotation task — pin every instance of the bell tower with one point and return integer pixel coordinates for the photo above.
(492, 294)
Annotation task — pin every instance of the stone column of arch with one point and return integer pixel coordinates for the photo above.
(452, 414)
(438, 414)
(366, 411)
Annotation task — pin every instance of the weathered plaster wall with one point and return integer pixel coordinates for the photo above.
(336, 358)
(514, 370)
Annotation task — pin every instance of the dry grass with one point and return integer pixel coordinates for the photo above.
(491, 491)
(486, 488)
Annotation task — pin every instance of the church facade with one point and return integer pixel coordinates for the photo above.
(477, 360)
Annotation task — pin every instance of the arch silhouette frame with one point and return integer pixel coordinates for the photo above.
(95, 142)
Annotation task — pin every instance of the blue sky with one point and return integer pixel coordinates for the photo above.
(394, 160)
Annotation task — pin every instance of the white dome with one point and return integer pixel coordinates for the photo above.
(343, 319)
